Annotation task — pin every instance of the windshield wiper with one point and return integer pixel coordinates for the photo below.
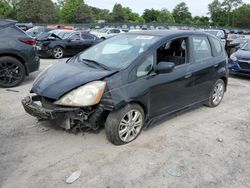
(96, 63)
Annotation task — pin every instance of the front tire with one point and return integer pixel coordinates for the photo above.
(217, 94)
(57, 52)
(12, 72)
(124, 125)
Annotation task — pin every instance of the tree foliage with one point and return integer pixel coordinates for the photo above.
(83, 14)
(41, 11)
(5, 9)
(230, 13)
(118, 14)
(165, 16)
(242, 15)
(181, 14)
(150, 15)
(69, 7)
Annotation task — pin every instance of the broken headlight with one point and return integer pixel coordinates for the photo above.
(86, 95)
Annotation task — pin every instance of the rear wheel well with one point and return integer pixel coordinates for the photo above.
(16, 57)
(225, 81)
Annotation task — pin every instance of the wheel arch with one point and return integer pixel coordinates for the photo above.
(225, 80)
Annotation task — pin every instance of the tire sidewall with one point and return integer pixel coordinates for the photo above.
(112, 126)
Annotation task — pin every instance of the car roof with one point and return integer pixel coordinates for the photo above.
(164, 33)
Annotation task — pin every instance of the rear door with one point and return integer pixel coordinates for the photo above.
(74, 44)
(203, 66)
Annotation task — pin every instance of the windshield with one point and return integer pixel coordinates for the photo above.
(119, 52)
(246, 47)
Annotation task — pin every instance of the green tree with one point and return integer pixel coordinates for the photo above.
(101, 14)
(200, 21)
(132, 16)
(217, 13)
(181, 14)
(84, 14)
(69, 7)
(13, 11)
(165, 16)
(43, 11)
(150, 15)
(5, 9)
(229, 6)
(118, 13)
(242, 15)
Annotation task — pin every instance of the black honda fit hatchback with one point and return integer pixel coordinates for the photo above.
(130, 81)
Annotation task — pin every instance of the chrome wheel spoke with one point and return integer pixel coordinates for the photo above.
(218, 93)
(130, 125)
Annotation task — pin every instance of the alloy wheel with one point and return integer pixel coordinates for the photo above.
(10, 73)
(58, 53)
(130, 125)
(218, 93)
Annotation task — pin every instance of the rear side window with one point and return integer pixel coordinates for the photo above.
(217, 46)
(202, 48)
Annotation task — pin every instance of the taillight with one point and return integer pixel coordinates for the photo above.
(28, 41)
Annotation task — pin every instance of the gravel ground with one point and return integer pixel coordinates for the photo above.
(202, 147)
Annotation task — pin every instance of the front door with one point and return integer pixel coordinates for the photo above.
(171, 91)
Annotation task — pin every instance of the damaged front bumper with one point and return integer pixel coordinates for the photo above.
(65, 117)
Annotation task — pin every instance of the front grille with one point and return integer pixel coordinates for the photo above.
(244, 64)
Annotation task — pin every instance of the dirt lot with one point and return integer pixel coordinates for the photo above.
(203, 147)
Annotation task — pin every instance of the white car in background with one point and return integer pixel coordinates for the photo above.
(218, 33)
(106, 33)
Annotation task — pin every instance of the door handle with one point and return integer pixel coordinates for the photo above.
(216, 65)
(188, 75)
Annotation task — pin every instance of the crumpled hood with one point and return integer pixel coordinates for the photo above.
(48, 36)
(66, 76)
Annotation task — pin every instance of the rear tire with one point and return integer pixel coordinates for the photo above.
(58, 52)
(12, 72)
(217, 94)
(124, 125)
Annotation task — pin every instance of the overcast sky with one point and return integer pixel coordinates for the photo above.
(196, 7)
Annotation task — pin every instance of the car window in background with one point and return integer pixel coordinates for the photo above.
(146, 67)
(88, 37)
(217, 45)
(103, 31)
(202, 49)
(119, 52)
(64, 35)
(246, 47)
(75, 37)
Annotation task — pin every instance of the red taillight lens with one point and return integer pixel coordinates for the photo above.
(28, 41)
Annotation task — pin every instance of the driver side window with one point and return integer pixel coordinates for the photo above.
(75, 37)
(146, 67)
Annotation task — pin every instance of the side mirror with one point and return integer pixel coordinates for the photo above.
(69, 40)
(165, 67)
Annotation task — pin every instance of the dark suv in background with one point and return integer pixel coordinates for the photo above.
(18, 55)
